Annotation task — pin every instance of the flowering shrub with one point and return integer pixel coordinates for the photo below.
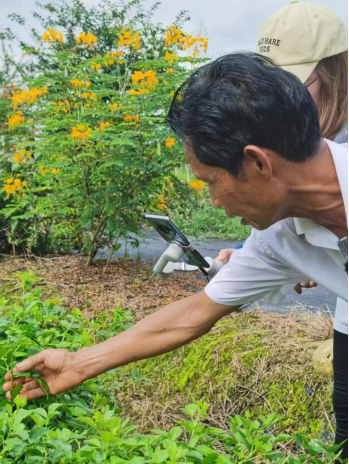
(85, 125)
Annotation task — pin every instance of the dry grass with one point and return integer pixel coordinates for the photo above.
(233, 368)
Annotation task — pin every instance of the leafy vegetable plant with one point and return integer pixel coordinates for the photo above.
(85, 425)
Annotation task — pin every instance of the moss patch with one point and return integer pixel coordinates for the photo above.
(253, 363)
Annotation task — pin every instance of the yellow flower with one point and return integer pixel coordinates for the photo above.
(169, 70)
(170, 57)
(14, 185)
(96, 66)
(103, 125)
(86, 39)
(17, 158)
(175, 36)
(162, 202)
(80, 132)
(170, 142)
(55, 171)
(198, 185)
(172, 92)
(113, 107)
(21, 155)
(78, 83)
(137, 76)
(138, 91)
(15, 119)
(27, 96)
(137, 41)
(52, 36)
(130, 118)
(127, 40)
(147, 79)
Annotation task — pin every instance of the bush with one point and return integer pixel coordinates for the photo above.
(86, 149)
(82, 426)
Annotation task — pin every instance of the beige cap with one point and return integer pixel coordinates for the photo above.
(299, 35)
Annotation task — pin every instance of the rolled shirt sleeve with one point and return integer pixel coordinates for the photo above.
(253, 273)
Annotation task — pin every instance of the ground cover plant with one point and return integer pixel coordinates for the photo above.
(85, 425)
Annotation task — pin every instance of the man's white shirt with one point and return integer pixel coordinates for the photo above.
(293, 250)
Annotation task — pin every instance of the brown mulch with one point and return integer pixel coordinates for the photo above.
(123, 283)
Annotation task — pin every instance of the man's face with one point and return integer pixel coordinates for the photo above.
(256, 196)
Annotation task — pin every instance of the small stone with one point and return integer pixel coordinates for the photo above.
(323, 356)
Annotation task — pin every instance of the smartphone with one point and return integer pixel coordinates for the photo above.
(171, 234)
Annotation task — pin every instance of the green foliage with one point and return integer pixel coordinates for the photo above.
(83, 426)
(86, 150)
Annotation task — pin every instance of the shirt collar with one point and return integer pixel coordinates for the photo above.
(314, 233)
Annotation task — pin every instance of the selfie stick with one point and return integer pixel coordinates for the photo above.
(169, 261)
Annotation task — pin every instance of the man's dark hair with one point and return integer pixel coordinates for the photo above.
(243, 99)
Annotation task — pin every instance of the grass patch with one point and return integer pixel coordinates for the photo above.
(250, 363)
(201, 220)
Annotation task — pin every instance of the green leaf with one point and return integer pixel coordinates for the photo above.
(43, 385)
(210, 458)
(61, 446)
(160, 456)
(16, 391)
(36, 433)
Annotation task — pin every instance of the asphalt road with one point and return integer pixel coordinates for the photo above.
(152, 246)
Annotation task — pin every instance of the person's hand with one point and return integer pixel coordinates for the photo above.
(298, 288)
(224, 255)
(57, 368)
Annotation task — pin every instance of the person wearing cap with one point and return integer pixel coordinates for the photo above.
(311, 41)
(251, 131)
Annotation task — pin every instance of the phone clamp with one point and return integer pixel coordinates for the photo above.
(170, 261)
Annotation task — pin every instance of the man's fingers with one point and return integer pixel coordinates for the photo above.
(310, 284)
(33, 385)
(224, 255)
(28, 388)
(33, 394)
(298, 289)
(31, 362)
(21, 380)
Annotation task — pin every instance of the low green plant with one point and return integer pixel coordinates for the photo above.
(84, 426)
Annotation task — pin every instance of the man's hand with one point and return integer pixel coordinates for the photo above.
(224, 255)
(57, 367)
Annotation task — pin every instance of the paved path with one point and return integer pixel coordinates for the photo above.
(152, 246)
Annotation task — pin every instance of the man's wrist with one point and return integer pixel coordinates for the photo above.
(87, 364)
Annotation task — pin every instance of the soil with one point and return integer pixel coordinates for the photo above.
(123, 283)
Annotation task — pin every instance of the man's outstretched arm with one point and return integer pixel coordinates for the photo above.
(165, 330)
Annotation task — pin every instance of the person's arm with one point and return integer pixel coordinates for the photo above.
(165, 330)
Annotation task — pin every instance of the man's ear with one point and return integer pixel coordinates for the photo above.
(257, 159)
